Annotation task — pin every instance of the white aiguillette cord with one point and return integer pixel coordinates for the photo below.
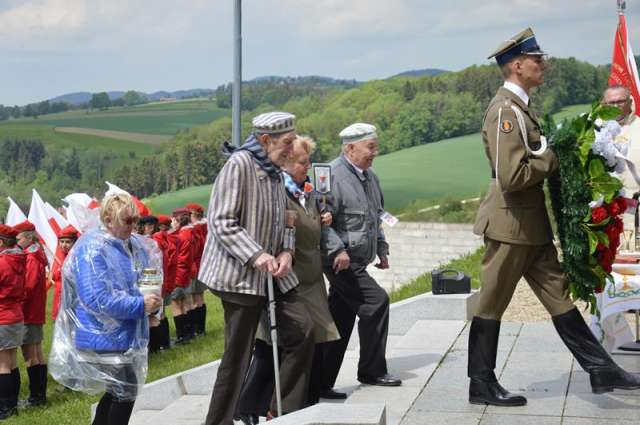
(523, 132)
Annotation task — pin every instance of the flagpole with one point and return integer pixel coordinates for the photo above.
(237, 73)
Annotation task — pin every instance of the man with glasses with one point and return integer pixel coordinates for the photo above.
(518, 239)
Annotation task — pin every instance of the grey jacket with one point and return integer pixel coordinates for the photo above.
(246, 217)
(356, 203)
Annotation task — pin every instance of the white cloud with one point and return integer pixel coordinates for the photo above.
(39, 19)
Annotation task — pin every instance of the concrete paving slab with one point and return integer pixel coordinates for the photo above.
(490, 419)
(160, 394)
(398, 400)
(440, 418)
(331, 414)
(431, 335)
(506, 328)
(186, 408)
(538, 404)
(594, 421)
(199, 381)
(448, 399)
(414, 367)
(609, 406)
(540, 361)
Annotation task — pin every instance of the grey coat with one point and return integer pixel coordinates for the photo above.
(246, 218)
(356, 203)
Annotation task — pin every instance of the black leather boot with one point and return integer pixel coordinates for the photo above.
(165, 335)
(37, 386)
(7, 406)
(483, 349)
(605, 375)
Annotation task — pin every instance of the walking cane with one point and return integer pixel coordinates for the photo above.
(274, 340)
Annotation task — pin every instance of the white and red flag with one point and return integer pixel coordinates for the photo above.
(40, 218)
(623, 65)
(83, 211)
(15, 214)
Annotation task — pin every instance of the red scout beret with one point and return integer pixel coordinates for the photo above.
(7, 232)
(194, 207)
(164, 219)
(180, 212)
(68, 232)
(25, 226)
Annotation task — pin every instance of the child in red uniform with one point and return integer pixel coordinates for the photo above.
(34, 310)
(200, 229)
(66, 238)
(181, 300)
(11, 319)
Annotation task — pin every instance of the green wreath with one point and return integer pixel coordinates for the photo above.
(589, 237)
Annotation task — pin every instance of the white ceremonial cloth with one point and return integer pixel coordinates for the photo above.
(612, 329)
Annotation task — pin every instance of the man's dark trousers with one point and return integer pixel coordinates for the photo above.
(241, 317)
(352, 293)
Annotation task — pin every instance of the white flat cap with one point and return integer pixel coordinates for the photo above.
(274, 122)
(358, 132)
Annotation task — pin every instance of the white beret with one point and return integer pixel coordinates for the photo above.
(274, 122)
(358, 132)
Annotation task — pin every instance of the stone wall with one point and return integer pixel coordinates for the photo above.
(418, 248)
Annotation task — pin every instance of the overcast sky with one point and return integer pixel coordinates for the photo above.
(52, 47)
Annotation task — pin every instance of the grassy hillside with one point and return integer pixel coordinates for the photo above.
(156, 118)
(119, 150)
(452, 167)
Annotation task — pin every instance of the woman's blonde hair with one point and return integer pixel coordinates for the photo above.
(114, 205)
(306, 143)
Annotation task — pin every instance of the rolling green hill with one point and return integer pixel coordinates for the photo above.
(454, 167)
(155, 118)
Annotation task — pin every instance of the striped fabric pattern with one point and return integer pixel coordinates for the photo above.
(274, 122)
(246, 217)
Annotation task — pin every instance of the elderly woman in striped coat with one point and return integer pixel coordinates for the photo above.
(250, 237)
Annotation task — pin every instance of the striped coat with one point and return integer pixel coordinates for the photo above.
(246, 217)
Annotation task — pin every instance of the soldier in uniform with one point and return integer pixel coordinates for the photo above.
(518, 236)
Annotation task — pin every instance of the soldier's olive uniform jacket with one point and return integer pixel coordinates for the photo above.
(514, 209)
(356, 204)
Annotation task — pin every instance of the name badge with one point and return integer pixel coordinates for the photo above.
(389, 219)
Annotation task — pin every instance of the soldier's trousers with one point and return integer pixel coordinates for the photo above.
(353, 292)
(504, 264)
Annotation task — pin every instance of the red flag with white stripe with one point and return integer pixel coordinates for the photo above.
(623, 65)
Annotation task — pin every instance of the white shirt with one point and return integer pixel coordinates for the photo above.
(358, 169)
(518, 91)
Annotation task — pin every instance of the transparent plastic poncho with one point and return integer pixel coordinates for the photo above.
(101, 333)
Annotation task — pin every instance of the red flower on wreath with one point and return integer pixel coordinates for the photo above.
(614, 209)
(622, 203)
(599, 214)
(606, 259)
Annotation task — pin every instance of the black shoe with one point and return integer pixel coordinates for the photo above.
(385, 380)
(33, 402)
(6, 411)
(330, 394)
(607, 379)
(492, 393)
(247, 419)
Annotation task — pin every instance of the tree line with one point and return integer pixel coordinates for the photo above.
(408, 112)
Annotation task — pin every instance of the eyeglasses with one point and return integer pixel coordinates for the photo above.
(616, 102)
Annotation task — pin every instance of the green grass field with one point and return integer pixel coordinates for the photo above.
(50, 138)
(156, 118)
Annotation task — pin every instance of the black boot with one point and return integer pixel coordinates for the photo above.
(203, 319)
(604, 373)
(7, 405)
(180, 329)
(189, 322)
(483, 349)
(37, 386)
(165, 335)
(154, 339)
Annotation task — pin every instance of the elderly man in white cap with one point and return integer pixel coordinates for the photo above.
(352, 242)
(251, 235)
